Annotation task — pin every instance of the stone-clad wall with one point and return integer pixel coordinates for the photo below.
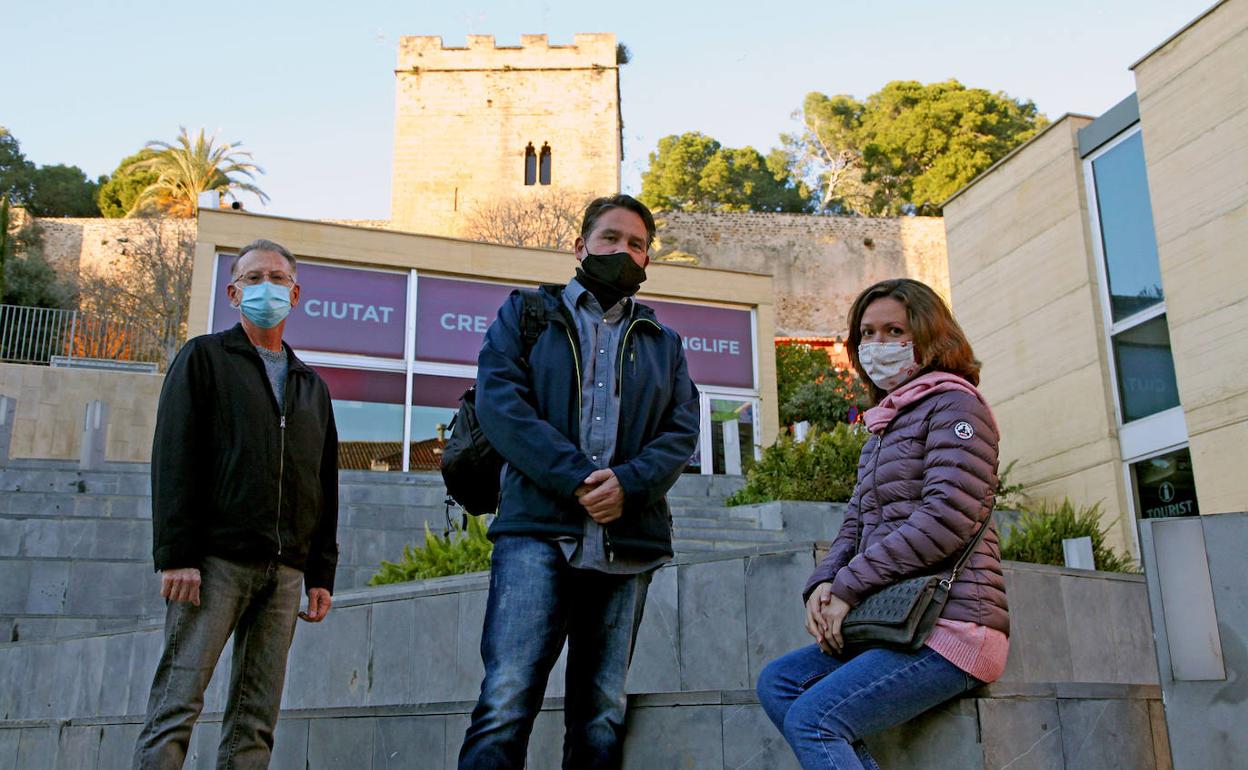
(397, 667)
(819, 263)
(51, 406)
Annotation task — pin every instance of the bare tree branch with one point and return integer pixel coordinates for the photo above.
(547, 219)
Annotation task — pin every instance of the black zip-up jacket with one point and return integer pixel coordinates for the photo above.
(231, 475)
(531, 415)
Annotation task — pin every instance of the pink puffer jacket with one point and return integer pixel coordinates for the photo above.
(925, 483)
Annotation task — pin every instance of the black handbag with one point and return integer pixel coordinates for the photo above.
(903, 614)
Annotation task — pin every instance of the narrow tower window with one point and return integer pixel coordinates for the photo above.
(544, 165)
(530, 165)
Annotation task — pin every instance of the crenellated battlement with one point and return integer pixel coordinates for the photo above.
(429, 53)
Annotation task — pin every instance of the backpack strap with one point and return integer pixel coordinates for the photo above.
(533, 320)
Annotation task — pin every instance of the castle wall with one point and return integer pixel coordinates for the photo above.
(820, 263)
(464, 116)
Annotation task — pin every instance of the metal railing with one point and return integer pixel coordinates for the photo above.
(33, 335)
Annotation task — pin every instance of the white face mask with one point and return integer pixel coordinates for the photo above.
(888, 364)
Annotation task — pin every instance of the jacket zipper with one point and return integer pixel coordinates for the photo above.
(281, 472)
(576, 362)
(619, 372)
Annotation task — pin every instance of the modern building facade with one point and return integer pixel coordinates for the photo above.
(394, 321)
(1100, 271)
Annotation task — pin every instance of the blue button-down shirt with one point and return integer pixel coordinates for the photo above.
(600, 336)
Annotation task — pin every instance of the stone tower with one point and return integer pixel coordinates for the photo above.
(487, 122)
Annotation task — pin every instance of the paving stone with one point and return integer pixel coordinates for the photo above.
(117, 746)
(1092, 654)
(1038, 632)
(10, 739)
(145, 654)
(400, 743)
(752, 742)
(116, 684)
(49, 581)
(456, 729)
(37, 747)
(685, 737)
(112, 588)
(78, 747)
(945, 738)
(290, 744)
(14, 585)
(469, 669)
(712, 635)
(1131, 627)
(328, 663)
(335, 744)
(774, 613)
(1021, 734)
(1106, 734)
(656, 656)
(201, 752)
(546, 740)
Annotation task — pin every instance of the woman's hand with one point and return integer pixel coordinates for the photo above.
(832, 613)
(814, 611)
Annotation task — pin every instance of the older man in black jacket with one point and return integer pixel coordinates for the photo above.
(244, 509)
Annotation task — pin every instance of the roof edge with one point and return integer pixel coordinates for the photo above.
(1178, 33)
(1008, 156)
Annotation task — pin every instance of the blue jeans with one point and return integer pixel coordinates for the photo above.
(537, 601)
(257, 603)
(825, 705)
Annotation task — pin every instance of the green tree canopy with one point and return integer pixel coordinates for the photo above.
(62, 191)
(118, 193)
(693, 172)
(191, 165)
(907, 147)
(15, 170)
(45, 191)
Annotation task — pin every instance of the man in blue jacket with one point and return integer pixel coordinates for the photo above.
(595, 424)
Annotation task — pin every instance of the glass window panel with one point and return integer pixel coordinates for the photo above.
(434, 401)
(368, 410)
(1126, 217)
(1165, 486)
(1146, 383)
(732, 436)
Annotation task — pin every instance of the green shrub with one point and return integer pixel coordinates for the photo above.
(460, 552)
(1038, 536)
(824, 467)
(810, 387)
(1009, 495)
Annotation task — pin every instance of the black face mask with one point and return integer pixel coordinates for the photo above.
(616, 270)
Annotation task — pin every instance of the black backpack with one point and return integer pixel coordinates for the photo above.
(471, 468)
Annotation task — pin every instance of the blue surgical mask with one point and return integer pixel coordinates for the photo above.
(266, 304)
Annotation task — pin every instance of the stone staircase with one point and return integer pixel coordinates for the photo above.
(75, 546)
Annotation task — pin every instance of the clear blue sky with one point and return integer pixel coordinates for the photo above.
(308, 86)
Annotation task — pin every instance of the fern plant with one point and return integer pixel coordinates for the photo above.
(463, 550)
(1038, 536)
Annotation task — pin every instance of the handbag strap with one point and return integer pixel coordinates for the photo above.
(966, 553)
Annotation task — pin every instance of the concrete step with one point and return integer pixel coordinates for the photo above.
(75, 504)
(75, 538)
(717, 522)
(108, 482)
(729, 534)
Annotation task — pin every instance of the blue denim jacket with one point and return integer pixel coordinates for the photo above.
(531, 414)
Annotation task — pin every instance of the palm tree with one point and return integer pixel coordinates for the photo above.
(190, 166)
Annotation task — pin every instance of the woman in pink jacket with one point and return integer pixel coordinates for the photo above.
(926, 482)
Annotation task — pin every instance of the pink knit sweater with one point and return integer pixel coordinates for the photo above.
(978, 650)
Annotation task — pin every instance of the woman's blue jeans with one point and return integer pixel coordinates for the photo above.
(825, 705)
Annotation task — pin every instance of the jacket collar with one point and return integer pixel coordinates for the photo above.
(236, 339)
(553, 293)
